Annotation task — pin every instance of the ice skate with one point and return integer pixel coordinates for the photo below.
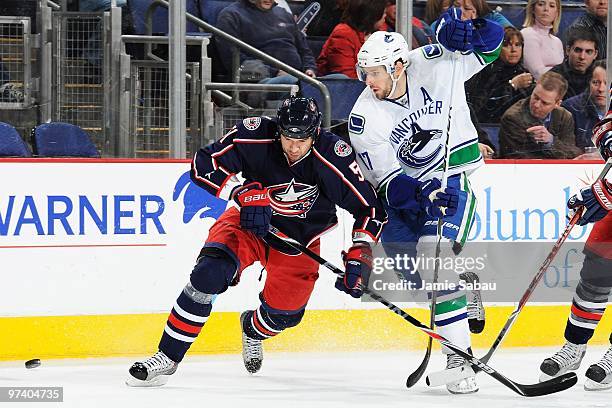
(464, 386)
(475, 309)
(567, 359)
(599, 375)
(252, 350)
(153, 372)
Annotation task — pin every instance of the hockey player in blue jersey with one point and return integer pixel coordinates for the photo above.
(295, 175)
(397, 127)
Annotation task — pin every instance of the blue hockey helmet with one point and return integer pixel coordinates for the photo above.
(298, 118)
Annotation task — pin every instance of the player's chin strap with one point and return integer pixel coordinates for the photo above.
(395, 80)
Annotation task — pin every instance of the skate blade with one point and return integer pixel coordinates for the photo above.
(463, 392)
(155, 382)
(591, 385)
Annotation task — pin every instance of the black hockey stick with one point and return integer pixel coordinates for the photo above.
(420, 370)
(531, 390)
(458, 373)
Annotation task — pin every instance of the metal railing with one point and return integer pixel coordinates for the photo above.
(150, 112)
(250, 50)
(198, 129)
(78, 72)
(15, 62)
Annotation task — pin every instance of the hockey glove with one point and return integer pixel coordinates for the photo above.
(602, 137)
(255, 211)
(487, 35)
(435, 202)
(453, 33)
(596, 199)
(357, 266)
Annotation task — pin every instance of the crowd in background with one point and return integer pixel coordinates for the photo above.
(538, 115)
(543, 94)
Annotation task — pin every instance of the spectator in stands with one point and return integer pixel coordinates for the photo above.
(542, 49)
(360, 19)
(435, 8)
(500, 84)
(590, 106)
(270, 29)
(578, 65)
(595, 20)
(421, 32)
(480, 8)
(328, 17)
(538, 127)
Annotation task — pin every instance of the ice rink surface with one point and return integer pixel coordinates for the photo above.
(372, 379)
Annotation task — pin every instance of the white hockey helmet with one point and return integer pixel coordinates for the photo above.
(382, 48)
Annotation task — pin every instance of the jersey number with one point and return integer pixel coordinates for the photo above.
(365, 158)
(355, 168)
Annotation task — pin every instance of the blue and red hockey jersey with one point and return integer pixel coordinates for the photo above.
(303, 195)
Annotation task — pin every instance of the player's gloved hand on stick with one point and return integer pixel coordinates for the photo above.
(602, 136)
(435, 201)
(357, 265)
(453, 33)
(255, 211)
(596, 199)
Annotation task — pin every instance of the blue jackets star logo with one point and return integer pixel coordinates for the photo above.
(292, 199)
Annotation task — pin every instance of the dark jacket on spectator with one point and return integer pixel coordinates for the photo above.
(483, 136)
(585, 116)
(272, 31)
(591, 23)
(576, 82)
(491, 94)
(516, 143)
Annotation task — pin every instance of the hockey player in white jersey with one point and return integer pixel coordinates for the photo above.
(396, 128)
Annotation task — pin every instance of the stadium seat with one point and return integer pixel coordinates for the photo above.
(344, 93)
(315, 44)
(492, 130)
(160, 18)
(58, 139)
(11, 144)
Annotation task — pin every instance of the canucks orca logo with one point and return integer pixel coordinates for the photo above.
(292, 199)
(413, 152)
(196, 199)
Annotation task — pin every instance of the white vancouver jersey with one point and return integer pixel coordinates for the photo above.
(406, 134)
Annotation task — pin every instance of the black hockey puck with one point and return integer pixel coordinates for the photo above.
(35, 362)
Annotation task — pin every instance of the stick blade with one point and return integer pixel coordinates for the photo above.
(418, 373)
(557, 384)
